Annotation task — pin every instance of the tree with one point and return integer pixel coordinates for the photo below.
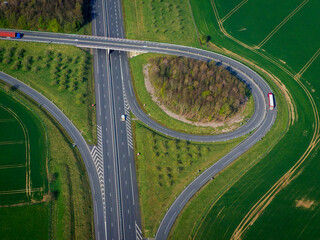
(199, 90)
(41, 23)
(204, 39)
(54, 26)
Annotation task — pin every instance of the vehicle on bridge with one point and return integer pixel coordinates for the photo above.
(10, 34)
(271, 101)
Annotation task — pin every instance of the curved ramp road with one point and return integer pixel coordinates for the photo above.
(77, 138)
(171, 215)
(258, 86)
(257, 126)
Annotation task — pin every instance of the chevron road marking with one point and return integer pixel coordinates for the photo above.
(138, 232)
(127, 111)
(97, 157)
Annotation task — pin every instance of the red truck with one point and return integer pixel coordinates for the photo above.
(10, 34)
(271, 101)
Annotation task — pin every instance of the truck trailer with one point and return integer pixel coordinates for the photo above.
(271, 101)
(10, 34)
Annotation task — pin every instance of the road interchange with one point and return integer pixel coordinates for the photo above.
(258, 125)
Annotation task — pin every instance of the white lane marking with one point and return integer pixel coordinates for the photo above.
(99, 100)
(56, 116)
(131, 183)
(70, 132)
(186, 198)
(173, 216)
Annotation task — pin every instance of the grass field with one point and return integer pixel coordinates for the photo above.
(62, 73)
(156, 113)
(25, 222)
(165, 166)
(23, 154)
(66, 212)
(252, 21)
(165, 21)
(285, 175)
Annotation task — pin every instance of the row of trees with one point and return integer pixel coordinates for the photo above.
(198, 90)
(55, 16)
(63, 72)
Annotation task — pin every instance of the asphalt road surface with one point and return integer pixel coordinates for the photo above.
(121, 193)
(257, 126)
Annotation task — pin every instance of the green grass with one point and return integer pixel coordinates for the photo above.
(253, 21)
(156, 113)
(25, 222)
(23, 154)
(229, 201)
(61, 73)
(226, 6)
(165, 21)
(297, 49)
(69, 208)
(165, 166)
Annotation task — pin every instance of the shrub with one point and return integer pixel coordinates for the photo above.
(20, 53)
(26, 68)
(79, 102)
(54, 82)
(35, 69)
(16, 65)
(6, 60)
(204, 39)
(62, 87)
(48, 53)
(73, 87)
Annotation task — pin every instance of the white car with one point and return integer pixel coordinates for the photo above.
(123, 117)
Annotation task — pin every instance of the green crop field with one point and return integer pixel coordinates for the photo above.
(23, 155)
(66, 211)
(25, 222)
(23, 172)
(61, 73)
(277, 197)
(252, 22)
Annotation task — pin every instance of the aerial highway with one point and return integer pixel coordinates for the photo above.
(257, 85)
(105, 153)
(119, 94)
(122, 202)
